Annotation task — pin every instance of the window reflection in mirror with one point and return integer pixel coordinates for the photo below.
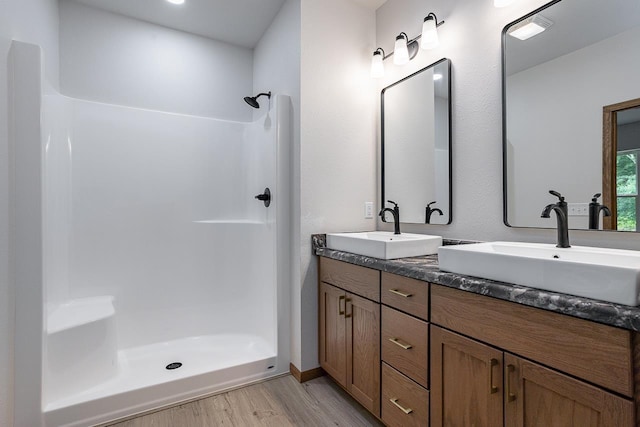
(622, 143)
(555, 86)
(416, 145)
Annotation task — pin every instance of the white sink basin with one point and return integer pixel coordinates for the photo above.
(385, 244)
(606, 274)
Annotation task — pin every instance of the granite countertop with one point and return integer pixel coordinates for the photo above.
(426, 268)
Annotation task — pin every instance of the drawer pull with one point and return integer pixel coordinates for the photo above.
(492, 389)
(510, 396)
(398, 343)
(340, 310)
(405, 410)
(402, 294)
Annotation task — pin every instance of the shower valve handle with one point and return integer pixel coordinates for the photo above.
(265, 197)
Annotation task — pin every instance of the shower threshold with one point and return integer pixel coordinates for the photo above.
(160, 374)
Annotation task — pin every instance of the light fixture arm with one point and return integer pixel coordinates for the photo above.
(435, 18)
(410, 44)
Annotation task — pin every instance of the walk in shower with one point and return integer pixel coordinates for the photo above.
(161, 276)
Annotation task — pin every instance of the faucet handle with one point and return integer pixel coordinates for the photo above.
(595, 197)
(429, 204)
(395, 205)
(558, 195)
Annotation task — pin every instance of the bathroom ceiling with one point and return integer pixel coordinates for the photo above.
(239, 22)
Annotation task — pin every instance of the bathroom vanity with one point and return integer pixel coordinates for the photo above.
(419, 347)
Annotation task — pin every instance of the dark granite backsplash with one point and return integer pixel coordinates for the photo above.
(426, 268)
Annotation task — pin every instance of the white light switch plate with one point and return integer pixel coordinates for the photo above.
(368, 210)
(578, 209)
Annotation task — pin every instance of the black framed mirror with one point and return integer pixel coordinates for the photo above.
(571, 120)
(416, 145)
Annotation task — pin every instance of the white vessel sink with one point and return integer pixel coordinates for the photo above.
(606, 274)
(385, 244)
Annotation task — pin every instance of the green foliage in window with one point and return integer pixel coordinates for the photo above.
(627, 213)
(627, 179)
(627, 185)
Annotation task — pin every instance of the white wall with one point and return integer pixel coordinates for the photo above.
(33, 21)
(110, 58)
(554, 121)
(276, 57)
(471, 38)
(276, 68)
(338, 151)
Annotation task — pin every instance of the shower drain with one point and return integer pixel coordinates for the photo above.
(174, 365)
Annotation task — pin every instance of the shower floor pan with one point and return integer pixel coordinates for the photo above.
(145, 381)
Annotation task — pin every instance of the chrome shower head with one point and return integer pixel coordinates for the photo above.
(253, 100)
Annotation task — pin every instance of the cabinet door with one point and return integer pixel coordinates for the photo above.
(363, 351)
(540, 397)
(333, 341)
(466, 382)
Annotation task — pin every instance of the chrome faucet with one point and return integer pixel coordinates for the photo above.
(430, 211)
(396, 216)
(562, 215)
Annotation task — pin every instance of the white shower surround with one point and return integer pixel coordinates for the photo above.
(155, 251)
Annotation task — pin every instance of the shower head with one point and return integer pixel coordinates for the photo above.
(253, 100)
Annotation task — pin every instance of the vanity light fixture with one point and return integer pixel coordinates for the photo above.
(377, 64)
(530, 27)
(430, 31)
(406, 49)
(176, 1)
(503, 3)
(401, 50)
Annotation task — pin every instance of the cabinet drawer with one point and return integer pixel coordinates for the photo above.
(405, 294)
(405, 344)
(404, 403)
(597, 353)
(353, 278)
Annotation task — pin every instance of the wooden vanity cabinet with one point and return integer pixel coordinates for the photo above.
(476, 384)
(441, 357)
(350, 329)
(477, 380)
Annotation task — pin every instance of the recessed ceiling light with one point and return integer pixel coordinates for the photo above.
(176, 1)
(530, 27)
